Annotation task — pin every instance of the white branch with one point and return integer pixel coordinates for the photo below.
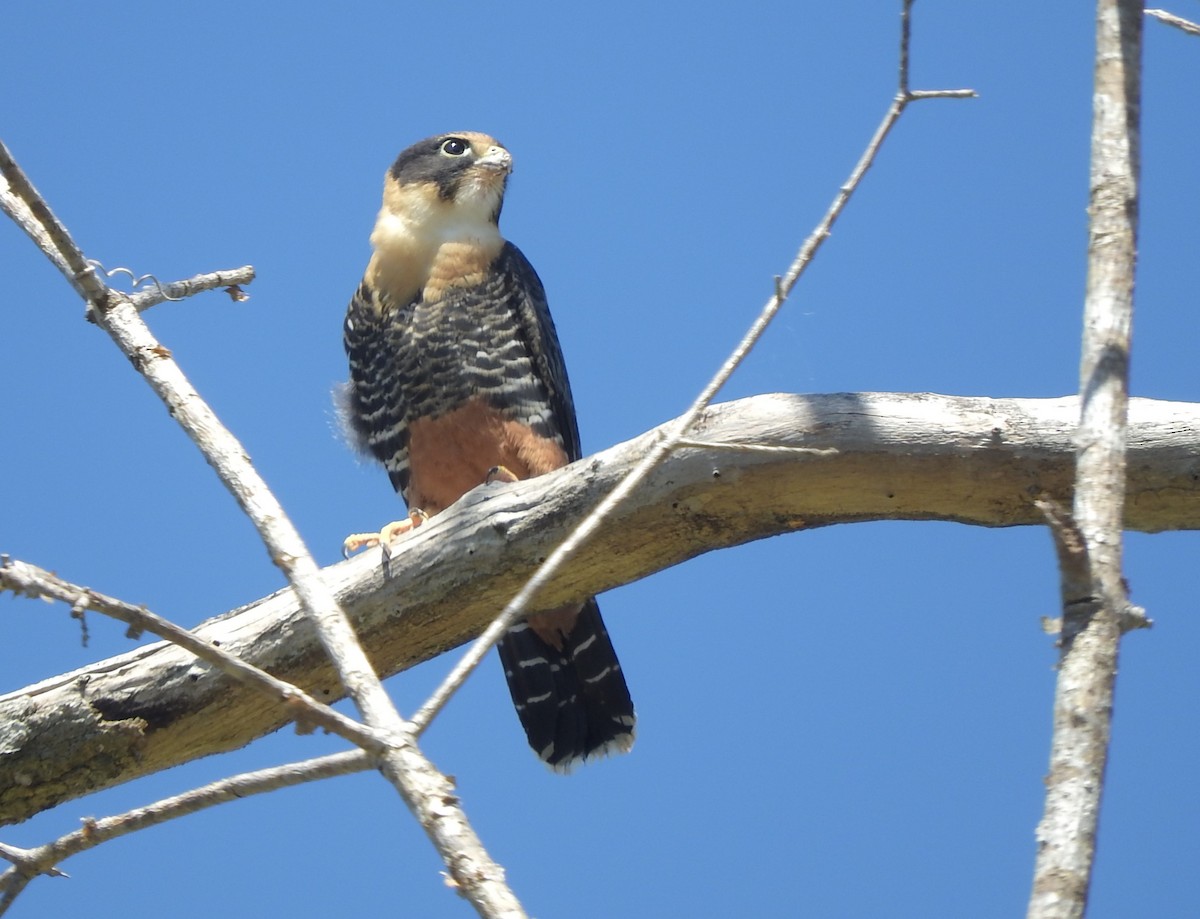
(883, 456)
(28, 580)
(1095, 605)
(28, 863)
(1182, 24)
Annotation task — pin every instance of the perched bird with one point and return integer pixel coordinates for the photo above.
(456, 376)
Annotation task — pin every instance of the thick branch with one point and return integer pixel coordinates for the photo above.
(916, 457)
(30, 581)
(1095, 604)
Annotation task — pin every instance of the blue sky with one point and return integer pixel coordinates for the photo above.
(851, 721)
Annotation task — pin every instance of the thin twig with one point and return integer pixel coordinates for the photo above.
(519, 605)
(28, 580)
(1070, 545)
(1163, 16)
(1095, 604)
(142, 300)
(29, 863)
(917, 94)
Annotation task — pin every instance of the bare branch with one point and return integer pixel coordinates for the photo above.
(20, 214)
(1070, 545)
(143, 300)
(911, 457)
(33, 215)
(1094, 598)
(916, 94)
(659, 450)
(12, 887)
(1163, 16)
(30, 581)
(1074, 565)
(29, 863)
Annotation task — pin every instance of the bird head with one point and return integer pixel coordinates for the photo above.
(450, 182)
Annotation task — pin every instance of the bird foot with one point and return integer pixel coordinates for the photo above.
(500, 474)
(384, 537)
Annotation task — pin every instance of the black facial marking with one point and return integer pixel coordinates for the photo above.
(425, 161)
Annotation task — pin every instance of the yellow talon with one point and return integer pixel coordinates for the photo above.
(384, 537)
(500, 474)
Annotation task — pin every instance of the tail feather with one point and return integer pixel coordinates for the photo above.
(572, 701)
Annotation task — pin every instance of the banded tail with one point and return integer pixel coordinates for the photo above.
(570, 694)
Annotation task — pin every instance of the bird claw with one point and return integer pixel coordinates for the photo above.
(384, 537)
(500, 474)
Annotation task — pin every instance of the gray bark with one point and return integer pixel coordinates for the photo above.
(883, 457)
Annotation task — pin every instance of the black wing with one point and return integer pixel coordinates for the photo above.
(536, 328)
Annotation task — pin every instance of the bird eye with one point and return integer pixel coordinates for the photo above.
(455, 146)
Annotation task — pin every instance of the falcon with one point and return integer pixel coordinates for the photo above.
(457, 379)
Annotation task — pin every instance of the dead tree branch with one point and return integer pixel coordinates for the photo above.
(29, 863)
(1172, 20)
(27, 580)
(882, 456)
(1095, 604)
